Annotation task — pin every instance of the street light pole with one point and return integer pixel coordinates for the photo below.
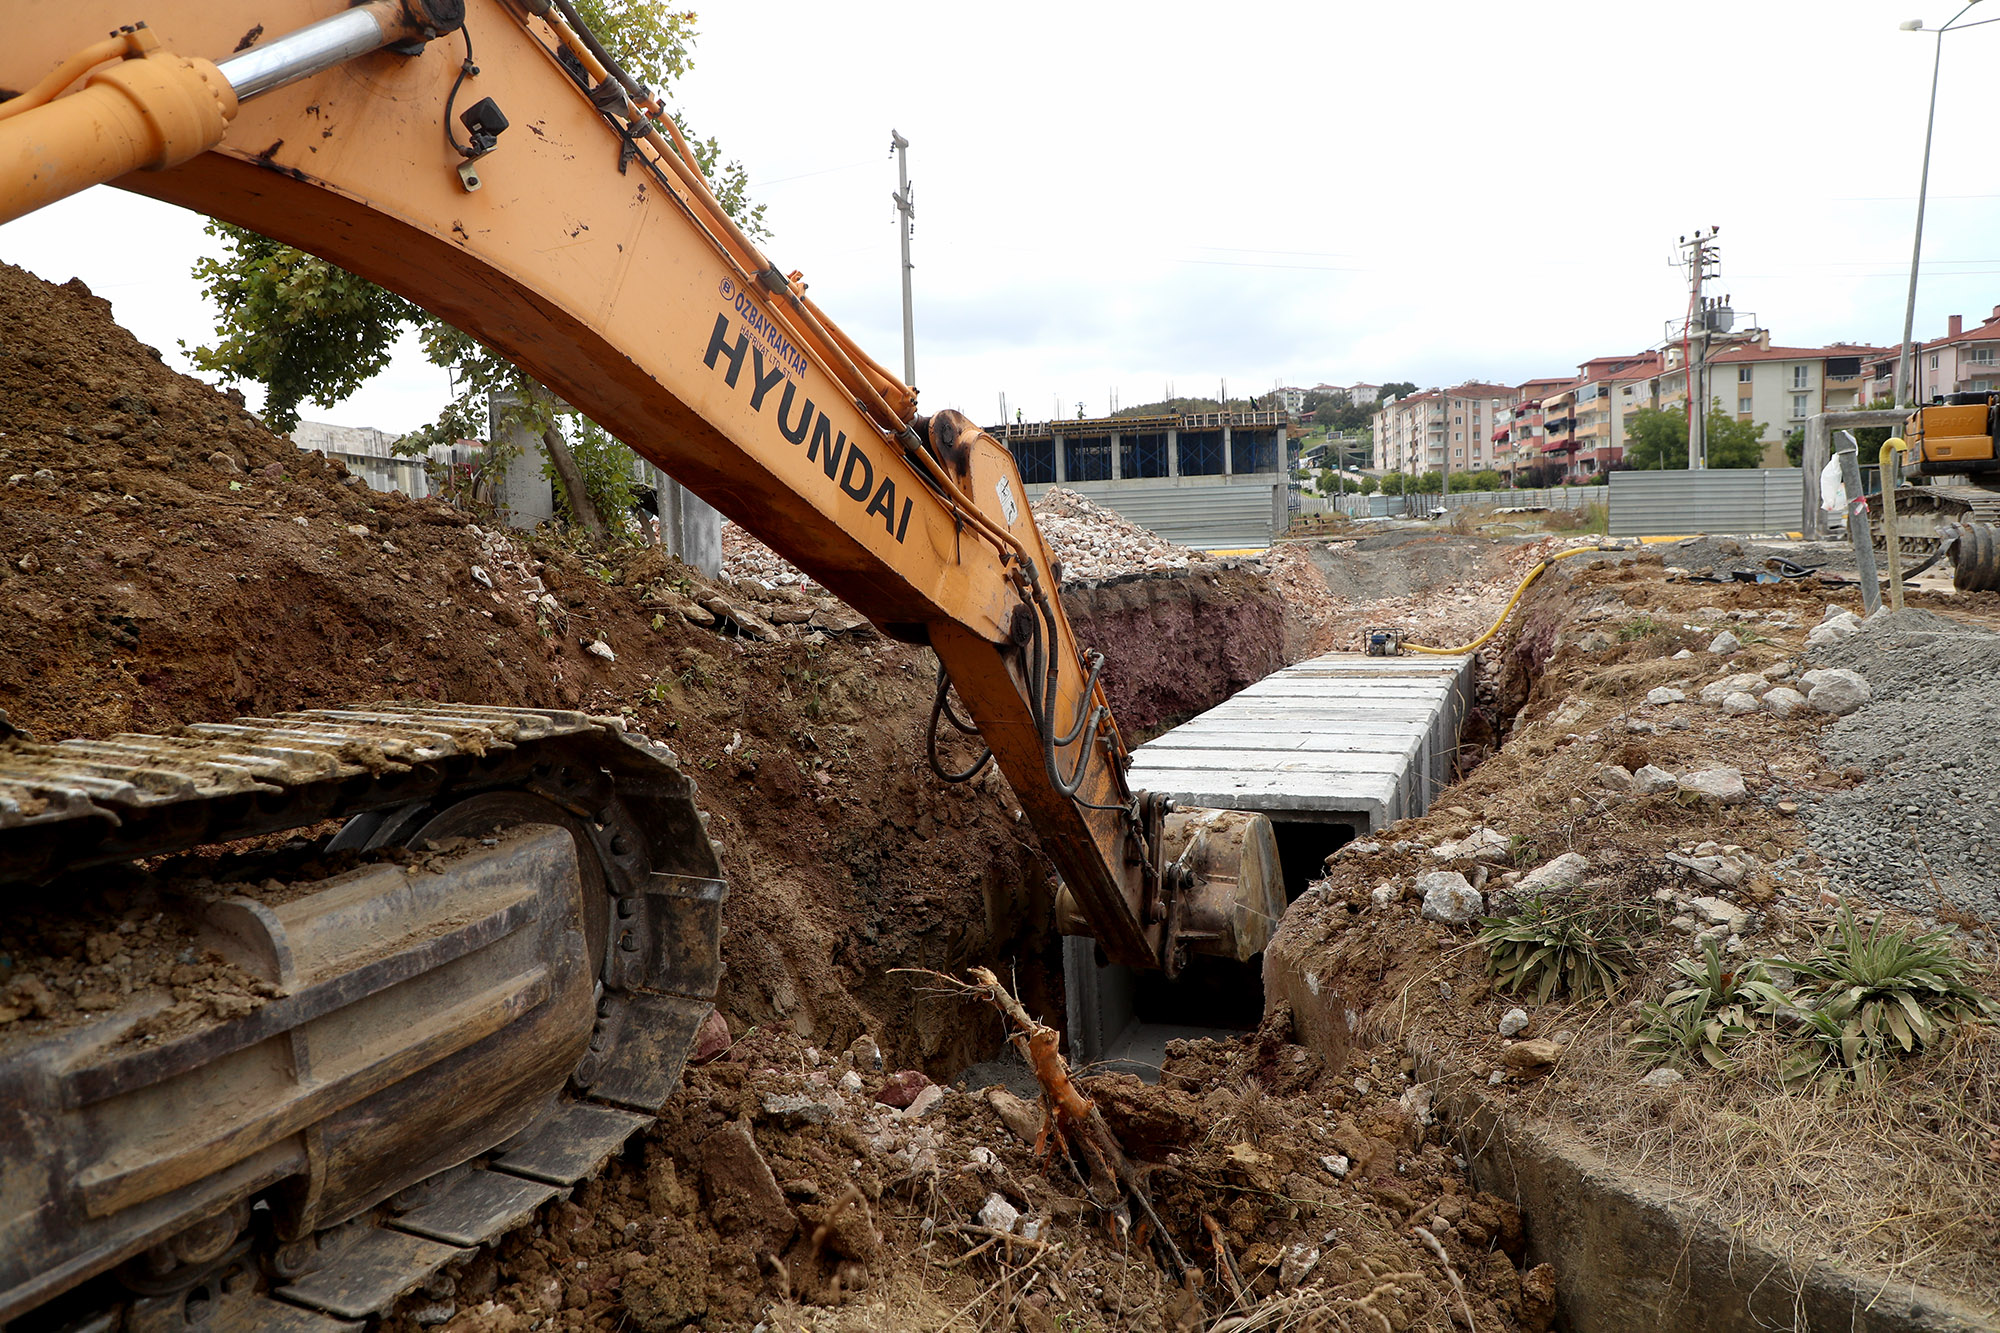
(1907, 353)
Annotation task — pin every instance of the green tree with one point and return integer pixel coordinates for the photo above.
(1656, 439)
(1397, 389)
(1733, 443)
(1795, 445)
(309, 331)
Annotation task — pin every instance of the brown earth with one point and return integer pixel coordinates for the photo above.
(1897, 1177)
(164, 560)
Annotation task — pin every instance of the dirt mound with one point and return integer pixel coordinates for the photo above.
(1557, 816)
(786, 1195)
(164, 560)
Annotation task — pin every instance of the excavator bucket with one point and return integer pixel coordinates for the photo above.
(1235, 889)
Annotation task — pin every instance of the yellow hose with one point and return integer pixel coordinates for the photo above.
(1885, 460)
(1508, 609)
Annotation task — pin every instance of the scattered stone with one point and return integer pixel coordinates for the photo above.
(599, 648)
(1596, 641)
(1662, 695)
(1514, 1022)
(1615, 777)
(1449, 898)
(1651, 780)
(1363, 848)
(902, 1088)
(865, 1054)
(742, 1194)
(1336, 1165)
(1721, 912)
(1532, 1056)
(1784, 701)
(1682, 655)
(1663, 1077)
(1724, 644)
(1564, 872)
(1724, 785)
(792, 1109)
(712, 1039)
(1739, 704)
(1837, 691)
(850, 1082)
(1385, 893)
(998, 1214)
(481, 577)
(925, 1100)
(224, 464)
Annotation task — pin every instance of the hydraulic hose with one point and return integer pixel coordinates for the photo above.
(1507, 610)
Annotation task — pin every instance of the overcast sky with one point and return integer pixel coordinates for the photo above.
(1122, 198)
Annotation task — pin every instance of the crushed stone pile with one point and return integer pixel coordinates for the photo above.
(1925, 821)
(1095, 543)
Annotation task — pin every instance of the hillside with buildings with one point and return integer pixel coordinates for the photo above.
(1573, 427)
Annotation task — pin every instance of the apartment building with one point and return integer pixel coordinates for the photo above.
(1963, 361)
(1780, 387)
(1520, 429)
(1419, 432)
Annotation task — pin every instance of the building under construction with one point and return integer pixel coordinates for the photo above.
(1208, 479)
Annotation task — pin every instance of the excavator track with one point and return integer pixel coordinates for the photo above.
(467, 1001)
(1961, 521)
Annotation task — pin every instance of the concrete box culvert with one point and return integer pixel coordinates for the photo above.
(1330, 749)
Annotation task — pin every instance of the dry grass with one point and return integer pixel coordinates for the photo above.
(1471, 520)
(1593, 517)
(1898, 1175)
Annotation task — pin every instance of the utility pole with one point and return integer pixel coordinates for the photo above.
(1703, 258)
(906, 208)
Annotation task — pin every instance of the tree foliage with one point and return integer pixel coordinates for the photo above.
(1397, 389)
(1656, 440)
(310, 331)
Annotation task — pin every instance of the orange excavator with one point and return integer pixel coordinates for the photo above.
(505, 979)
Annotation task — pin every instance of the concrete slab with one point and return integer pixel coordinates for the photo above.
(1320, 737)
(1330, 749)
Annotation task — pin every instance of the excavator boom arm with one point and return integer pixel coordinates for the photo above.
(540, 200)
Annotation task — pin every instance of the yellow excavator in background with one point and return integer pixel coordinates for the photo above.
(444, 1040)
(1950, 444)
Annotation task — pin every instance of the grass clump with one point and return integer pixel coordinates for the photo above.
(1548, 948)
(1878, 991)
(1719, 1007)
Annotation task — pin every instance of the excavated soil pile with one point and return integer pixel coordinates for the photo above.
(798, 1190)
(1654, 790)
(165, 560)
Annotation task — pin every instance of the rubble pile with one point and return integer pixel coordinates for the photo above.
(1092, 542)
(744, 557)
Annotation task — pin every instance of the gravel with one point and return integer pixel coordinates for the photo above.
(1929, 808)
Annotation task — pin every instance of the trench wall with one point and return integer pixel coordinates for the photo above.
(1177, 645)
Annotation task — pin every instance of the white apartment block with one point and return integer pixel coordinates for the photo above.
(1417, 433)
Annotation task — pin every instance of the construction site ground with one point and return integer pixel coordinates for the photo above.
(164, 560)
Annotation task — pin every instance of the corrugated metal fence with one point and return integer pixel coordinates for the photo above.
(1386, 506)
(1724, 500)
